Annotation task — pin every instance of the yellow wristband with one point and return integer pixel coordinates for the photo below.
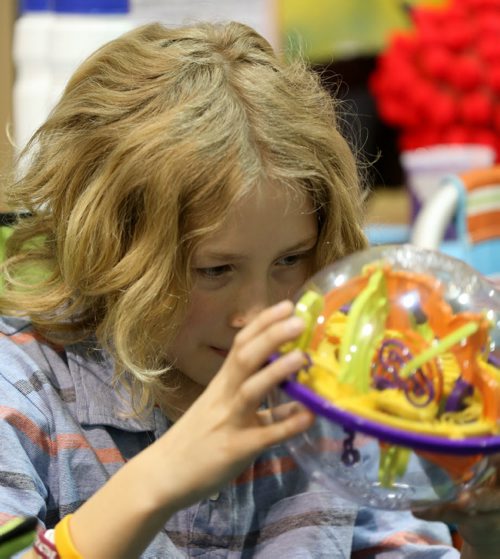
(64, 543)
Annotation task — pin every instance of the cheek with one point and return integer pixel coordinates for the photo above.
(290, 282)
(203, 312)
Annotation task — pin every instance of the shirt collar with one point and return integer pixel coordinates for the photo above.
(99, 401)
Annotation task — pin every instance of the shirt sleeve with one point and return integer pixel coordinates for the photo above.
(25, 453)
(380, 534)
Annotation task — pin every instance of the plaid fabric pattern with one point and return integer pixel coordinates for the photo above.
(64, 430)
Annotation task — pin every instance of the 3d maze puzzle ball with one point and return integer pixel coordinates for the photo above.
(402, 371)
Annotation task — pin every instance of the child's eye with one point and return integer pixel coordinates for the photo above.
(213, 272)
(290, 260)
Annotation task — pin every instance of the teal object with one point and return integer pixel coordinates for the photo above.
(387, 234)
(469, 205)
(482, 256)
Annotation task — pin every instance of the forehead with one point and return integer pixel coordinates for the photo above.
(270, 217)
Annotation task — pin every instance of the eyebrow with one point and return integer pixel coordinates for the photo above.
(308, 243)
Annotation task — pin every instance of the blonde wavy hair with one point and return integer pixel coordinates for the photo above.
(156, 136)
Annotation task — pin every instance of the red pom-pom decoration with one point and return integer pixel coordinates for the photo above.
(476, 109)
(440, 83)
(465, 73)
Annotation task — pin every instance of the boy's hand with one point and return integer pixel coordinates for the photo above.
(477, 516)
(224, 430)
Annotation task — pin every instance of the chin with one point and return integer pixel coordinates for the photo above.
(203, 374)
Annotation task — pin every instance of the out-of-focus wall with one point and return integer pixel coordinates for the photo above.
(326, 30)
(7, 16)
(342, 39)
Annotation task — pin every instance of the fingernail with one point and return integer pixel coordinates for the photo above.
(295, 325)
(296, 356)
(283, 305)
(305, 419)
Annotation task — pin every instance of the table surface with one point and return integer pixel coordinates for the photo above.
(388, 206)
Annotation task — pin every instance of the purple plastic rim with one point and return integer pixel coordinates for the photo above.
(494, 360)
(462, 447)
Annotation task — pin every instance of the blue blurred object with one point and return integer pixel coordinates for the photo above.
(34, 6)
(471, 202)
(387, 234)
(91, 6)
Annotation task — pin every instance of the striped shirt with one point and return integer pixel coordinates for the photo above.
(64, 430)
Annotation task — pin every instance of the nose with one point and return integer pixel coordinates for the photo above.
(248, 303)
(241, 318)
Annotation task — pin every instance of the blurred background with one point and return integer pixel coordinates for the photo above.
(412, 75)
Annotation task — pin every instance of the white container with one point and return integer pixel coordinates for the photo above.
(31, 61)
(80, 27)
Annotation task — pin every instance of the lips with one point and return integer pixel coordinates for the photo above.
(222, 352)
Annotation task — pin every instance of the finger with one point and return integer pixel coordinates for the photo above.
(268, 316)
(249, 356)
(444, 514)
(279, 413)
(480, 531)
(298, 422)
(255, 388)
(483, 499)
(471, 504)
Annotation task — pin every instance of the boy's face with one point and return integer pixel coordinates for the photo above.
(261, 255)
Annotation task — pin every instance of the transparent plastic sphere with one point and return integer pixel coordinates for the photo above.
(402, 368)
